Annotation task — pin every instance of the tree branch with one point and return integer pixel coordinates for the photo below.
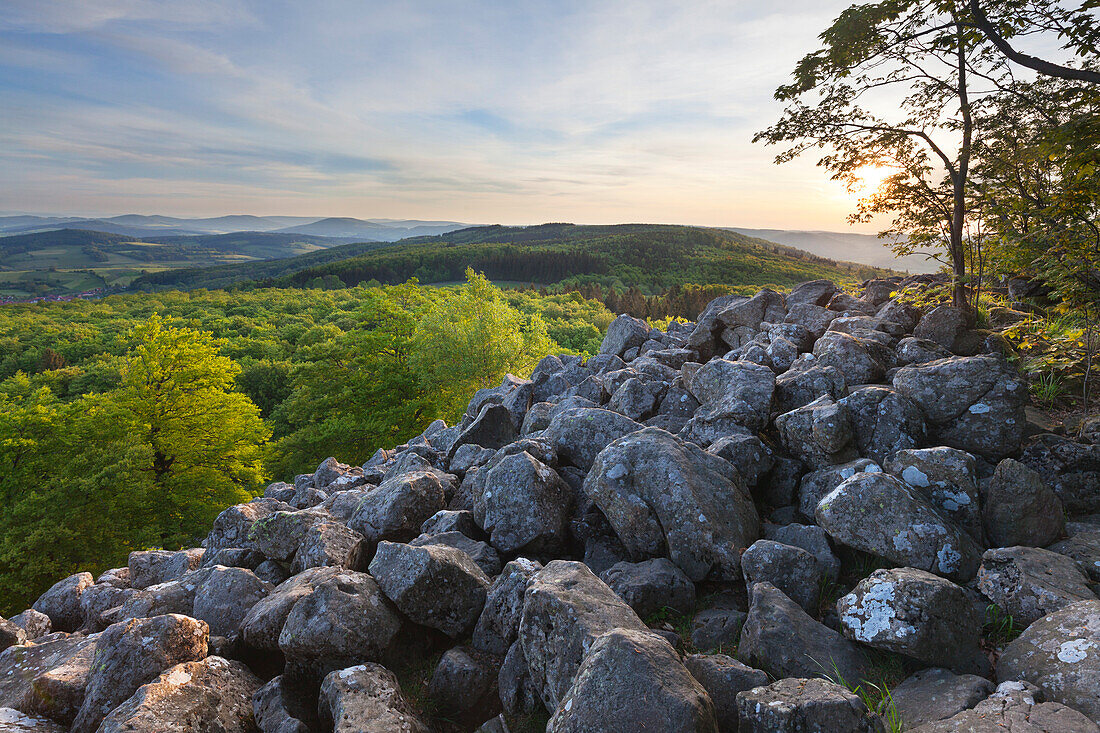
(981, 20)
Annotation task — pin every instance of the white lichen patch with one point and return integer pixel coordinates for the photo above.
(914, 476)
(1074, 651)
(872, 614)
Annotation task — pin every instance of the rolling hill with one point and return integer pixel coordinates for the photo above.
(865, 248)
(650, 257)
(65, 261)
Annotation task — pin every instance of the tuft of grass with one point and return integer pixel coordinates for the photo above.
(1047, 389)
(886, 670)
(999, 627)
(828, 593)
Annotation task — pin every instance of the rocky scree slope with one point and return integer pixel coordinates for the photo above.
(806, 484)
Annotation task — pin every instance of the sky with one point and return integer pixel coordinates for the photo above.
(479, 111)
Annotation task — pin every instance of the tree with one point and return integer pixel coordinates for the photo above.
(470, 339)
(199, 442)
(919, 59)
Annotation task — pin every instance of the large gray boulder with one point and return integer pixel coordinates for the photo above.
(523, 504)
(262, 625)
(1070, 468)
(816, 484)
(499, 621)
(433, 585)
(132, 653)
(396, 509)
(346, 620)
(738, 391)
(781, 639)
(805, 381)
(791, 569)
(565, 609)
(578, 434)
(62, 602)
(915, 613)
(225, 597)
(278, 535)
(723, 677)
(330, 544)
(860, 360)
(883, 422)
(482, 553)
(665, 497)
(935, 694)
(946, 476)
(58, 692)
(276, 708)
(214, 694)
(1020, 509)
(1016, 707)
(812, 539)
(152, 567)
(628, 680)
(812, 705)
(1060, 654)
(20, 666)
(820, 433)
(1029, 583)
(651, 586)
(974, 403)
(366, 699)
(879, 514)
(232, 526)
(624, 333)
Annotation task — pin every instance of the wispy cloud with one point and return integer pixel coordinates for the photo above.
(514, 112)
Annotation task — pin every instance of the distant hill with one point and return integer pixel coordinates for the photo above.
(650, 257)
(346, 229)
(865, 248)
(45, 263)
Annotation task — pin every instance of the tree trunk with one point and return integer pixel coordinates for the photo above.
(958, 214)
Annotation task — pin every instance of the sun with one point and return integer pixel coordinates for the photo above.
(869, 179)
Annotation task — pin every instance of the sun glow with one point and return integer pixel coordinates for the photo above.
(869, 179)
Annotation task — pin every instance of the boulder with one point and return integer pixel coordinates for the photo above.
(20, 666)
(860, 360)
(717, 630)
(974, 403)
(935, 694)
(665, 497)
(1019, 509)
(214, 694)
(942, 325)
(1071, 469)
(623, 334)
(132, 653)
(806, 381)
(499, 621)
(34, 623)
(816, 484)
(919, 351)
(11, 634)
(579, 434)
(734, 390)
(1030, 583)
(433, 585)
(629, 679)
(814, 292)
(262, 625)
(1060, 654)
(225, 597)
(651, 586)
(1083, 547)
(273, 710)
(565, 609)
(820, 433)
(1015, 707)
(792, 570)
(723, 677)
(464, 684)
(812, 539)
(481, 553)
(747, 453)
(232, 526)
(877, 513)
(62, 602)
(948, 478)
(58, 692)
(883, 422)
(915, 613)
(396, 509)
(781, 639)
(814, 318)
(346, 620)
(153, 567)
(494, 427)
(13, 721)
(330, 544)
(522, 503)
(804, 705)
(366, 699)
(278, 535)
